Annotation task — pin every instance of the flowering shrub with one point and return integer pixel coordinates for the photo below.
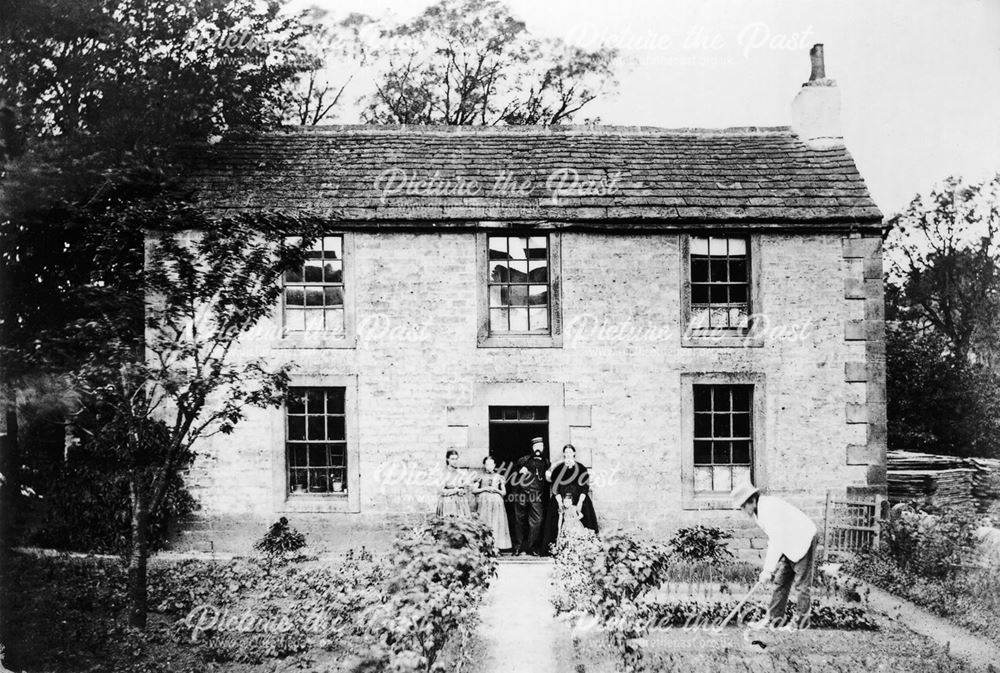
(701, 543)
(437, 576)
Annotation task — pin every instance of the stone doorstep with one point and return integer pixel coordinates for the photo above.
(525, 560)
(975, 650)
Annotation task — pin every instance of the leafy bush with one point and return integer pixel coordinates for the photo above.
(87, 506)
(930, 544)
(437, 576)
(702, 543)
(609, 578)
(281, 539)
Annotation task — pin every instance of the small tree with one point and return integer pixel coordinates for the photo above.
(183, 384)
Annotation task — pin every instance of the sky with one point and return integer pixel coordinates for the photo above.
(919, 79)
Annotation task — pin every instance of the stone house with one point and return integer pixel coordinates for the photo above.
(688, 307)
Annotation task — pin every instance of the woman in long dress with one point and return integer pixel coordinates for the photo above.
(452, 499)
(573, 508)
(491, 491)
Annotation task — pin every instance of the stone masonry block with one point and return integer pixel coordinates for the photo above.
(873, 267)
(859, 247)
(855, 371)
(857, 413)
(854, 330)
(859, 454)
(854, 288)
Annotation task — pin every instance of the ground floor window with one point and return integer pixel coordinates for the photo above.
(723, 437)
(316, 440)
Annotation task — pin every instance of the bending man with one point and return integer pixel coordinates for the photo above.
(791, 552)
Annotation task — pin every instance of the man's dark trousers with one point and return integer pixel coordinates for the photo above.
(528, 513)
(797, 575)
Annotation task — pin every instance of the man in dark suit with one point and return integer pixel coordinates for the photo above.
(529, 505)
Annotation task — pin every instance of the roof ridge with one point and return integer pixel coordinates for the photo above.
(444, 130)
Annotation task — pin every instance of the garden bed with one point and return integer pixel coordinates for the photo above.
(636, 595)
(925, 558)
(890, 648)
(249, 615)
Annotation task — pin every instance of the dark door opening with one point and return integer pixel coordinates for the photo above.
(511, 432)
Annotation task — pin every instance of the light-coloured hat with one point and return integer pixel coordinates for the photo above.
(742, 493)
(537, 440)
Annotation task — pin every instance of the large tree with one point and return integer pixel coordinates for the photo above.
(943, 313)
(944, 255)
(99, 100)
(472, 62)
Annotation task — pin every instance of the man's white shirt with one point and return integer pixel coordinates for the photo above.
(789, 531)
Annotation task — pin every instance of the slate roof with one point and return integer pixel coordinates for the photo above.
(637, 177)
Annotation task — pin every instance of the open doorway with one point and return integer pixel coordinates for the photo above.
(511, 432)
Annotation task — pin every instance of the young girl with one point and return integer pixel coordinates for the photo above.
(451, 497)
(491, 490)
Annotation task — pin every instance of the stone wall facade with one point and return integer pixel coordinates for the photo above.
(419, 383)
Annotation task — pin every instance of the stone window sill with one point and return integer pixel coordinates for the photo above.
(316, 502)
(520, 341)
(721, 339)
(303, 340)
(707, 501)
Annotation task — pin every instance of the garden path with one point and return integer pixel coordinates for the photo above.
(517, 622)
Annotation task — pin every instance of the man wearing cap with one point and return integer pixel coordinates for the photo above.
(791, 552)
(529, 505)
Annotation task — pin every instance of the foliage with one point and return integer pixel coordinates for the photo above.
(925, 557)
(970, 596)
(706, 614)
(471, 62)
(138, 69)
(437, 577)
(702, 543)
(243, 610)
(943, 313)
(609, 578)
(88, 507)
(281, 539)
(102, 99)
(929, 544)
(944, 251)
(629, 586)
(938, 403)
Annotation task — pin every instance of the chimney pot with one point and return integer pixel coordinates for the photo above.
(818, 66)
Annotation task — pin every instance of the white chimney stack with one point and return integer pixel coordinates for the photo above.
(816, 108)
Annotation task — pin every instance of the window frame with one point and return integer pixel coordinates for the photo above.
(690, 499)
(348, 501)
(323, 339)
(751, 337)
(486, 339)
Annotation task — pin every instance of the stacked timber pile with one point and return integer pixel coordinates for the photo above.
(945, 480)
(985, 482)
